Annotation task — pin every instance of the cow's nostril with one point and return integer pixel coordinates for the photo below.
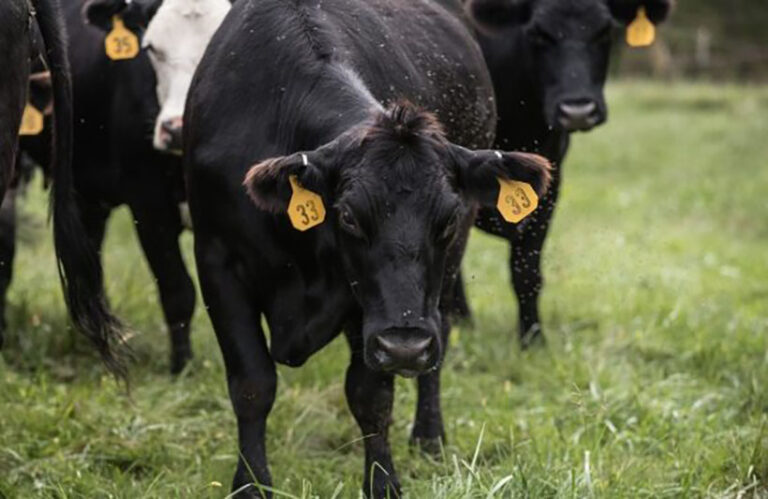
(171, 126)
(579, 114)
(578, 109)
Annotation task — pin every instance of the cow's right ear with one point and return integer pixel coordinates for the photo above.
(268, 183)
(494, 15)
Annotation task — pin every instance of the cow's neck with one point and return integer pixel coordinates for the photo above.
(337, 101)
(522, 124)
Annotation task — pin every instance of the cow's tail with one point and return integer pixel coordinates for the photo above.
(78, 260)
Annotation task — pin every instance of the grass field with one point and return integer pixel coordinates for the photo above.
(654, 382)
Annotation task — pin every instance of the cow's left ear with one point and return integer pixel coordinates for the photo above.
(479, 172)
(625, 11)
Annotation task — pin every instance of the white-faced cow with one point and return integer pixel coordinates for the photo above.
(548, 60)
(356, 213)
(78, 264)
(115, 163)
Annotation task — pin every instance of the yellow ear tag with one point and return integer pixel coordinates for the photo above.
(641, 32)
(517, 200)
(32, 121)
(306, 209)
(121, 43)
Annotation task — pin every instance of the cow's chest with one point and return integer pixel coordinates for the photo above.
(306, 309)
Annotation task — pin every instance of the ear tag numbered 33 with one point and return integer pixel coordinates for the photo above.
(121, 43)
(516, 201)
(306, 208)
(641, 32)
(32, 121)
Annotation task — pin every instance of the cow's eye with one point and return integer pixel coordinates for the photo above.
(349, 224)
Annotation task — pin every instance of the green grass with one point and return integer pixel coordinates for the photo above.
(654, 382)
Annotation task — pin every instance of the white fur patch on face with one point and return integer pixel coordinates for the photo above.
(176, 39)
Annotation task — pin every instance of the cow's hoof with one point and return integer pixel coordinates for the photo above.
(433, 447)
(382, 488)
(179, 361)
(532, 338)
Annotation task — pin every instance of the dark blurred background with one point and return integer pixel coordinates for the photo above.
(716, 40)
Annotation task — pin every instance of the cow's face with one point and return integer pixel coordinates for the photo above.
(396, 192)
(176, 39)
(569, 44)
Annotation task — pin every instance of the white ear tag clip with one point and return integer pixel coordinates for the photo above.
(306, 208)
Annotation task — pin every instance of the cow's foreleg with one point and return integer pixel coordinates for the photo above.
(370, 395)
(527, 242)
(159, 225)
(428, 431)
(251, 375)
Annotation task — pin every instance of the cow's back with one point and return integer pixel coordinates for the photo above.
(269, 55)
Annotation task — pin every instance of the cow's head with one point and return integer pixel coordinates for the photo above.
(569, 43)
(175, 37)
(396, 192)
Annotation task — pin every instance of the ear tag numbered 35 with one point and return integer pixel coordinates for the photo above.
(32, 121)
(641, 32)
(121, 43)
(516, 201)
(306, 208)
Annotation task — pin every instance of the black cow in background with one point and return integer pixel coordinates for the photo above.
(27, 31)
(549, 61)
(114, 164)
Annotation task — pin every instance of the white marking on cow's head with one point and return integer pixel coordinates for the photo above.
(176, 39)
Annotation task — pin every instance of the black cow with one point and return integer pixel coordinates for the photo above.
(302, 83)
(77, 263)
(115, 163)
(549, 61)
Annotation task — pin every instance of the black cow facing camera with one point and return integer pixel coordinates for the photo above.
(549, 61)
(355, 216)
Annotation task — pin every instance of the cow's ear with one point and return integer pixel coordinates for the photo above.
(479, 172)
(99, 13)
(136, 14)
(625, 11)
(495, 15)
(268, 183)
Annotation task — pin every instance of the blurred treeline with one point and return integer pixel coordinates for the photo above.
(706, 39)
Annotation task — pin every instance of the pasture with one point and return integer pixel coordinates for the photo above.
(654, 381)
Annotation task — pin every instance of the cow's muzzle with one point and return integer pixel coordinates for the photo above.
(579, 115)
(404, 351)
(169, 136)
